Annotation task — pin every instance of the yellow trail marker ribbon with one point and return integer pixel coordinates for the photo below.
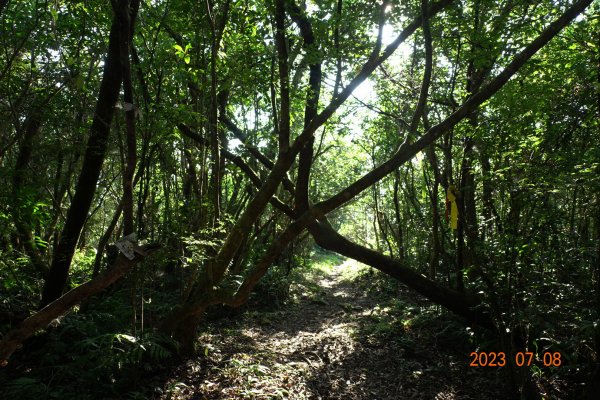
(451, 195)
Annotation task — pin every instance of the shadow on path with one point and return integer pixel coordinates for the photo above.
(337, 344)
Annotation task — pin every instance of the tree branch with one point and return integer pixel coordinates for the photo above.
(407, 151)
(284, 78)
(13, 340)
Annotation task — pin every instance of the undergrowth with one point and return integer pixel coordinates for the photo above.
(88, 355)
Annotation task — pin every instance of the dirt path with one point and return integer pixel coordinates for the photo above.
(337, 342)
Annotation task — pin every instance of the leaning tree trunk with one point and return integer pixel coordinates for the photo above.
(92, 165)
(13, 340)
(207, 291)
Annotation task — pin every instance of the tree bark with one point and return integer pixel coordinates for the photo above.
(465, 305)
(90, 172)
(204, 293)
(32, 128)
(217, 27)
(125, 13)
(13, 340)
(313, 92)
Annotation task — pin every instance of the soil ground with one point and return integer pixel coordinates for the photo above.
(337, 340)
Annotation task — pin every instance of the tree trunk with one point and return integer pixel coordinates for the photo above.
(125, 13)
(40, 320)
(467, 306)
(434, 257)
(205, 293)
(90, 172)
(32, 128)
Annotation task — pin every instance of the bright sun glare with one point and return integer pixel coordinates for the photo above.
(366, 91)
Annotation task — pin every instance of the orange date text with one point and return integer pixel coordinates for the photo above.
(520, 359)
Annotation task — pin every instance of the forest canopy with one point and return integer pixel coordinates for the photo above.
(200, 151)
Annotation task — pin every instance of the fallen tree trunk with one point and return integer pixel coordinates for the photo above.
(466, 305)
(13, 340)
(182, 320)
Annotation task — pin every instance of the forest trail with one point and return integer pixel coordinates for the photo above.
(337, 342)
